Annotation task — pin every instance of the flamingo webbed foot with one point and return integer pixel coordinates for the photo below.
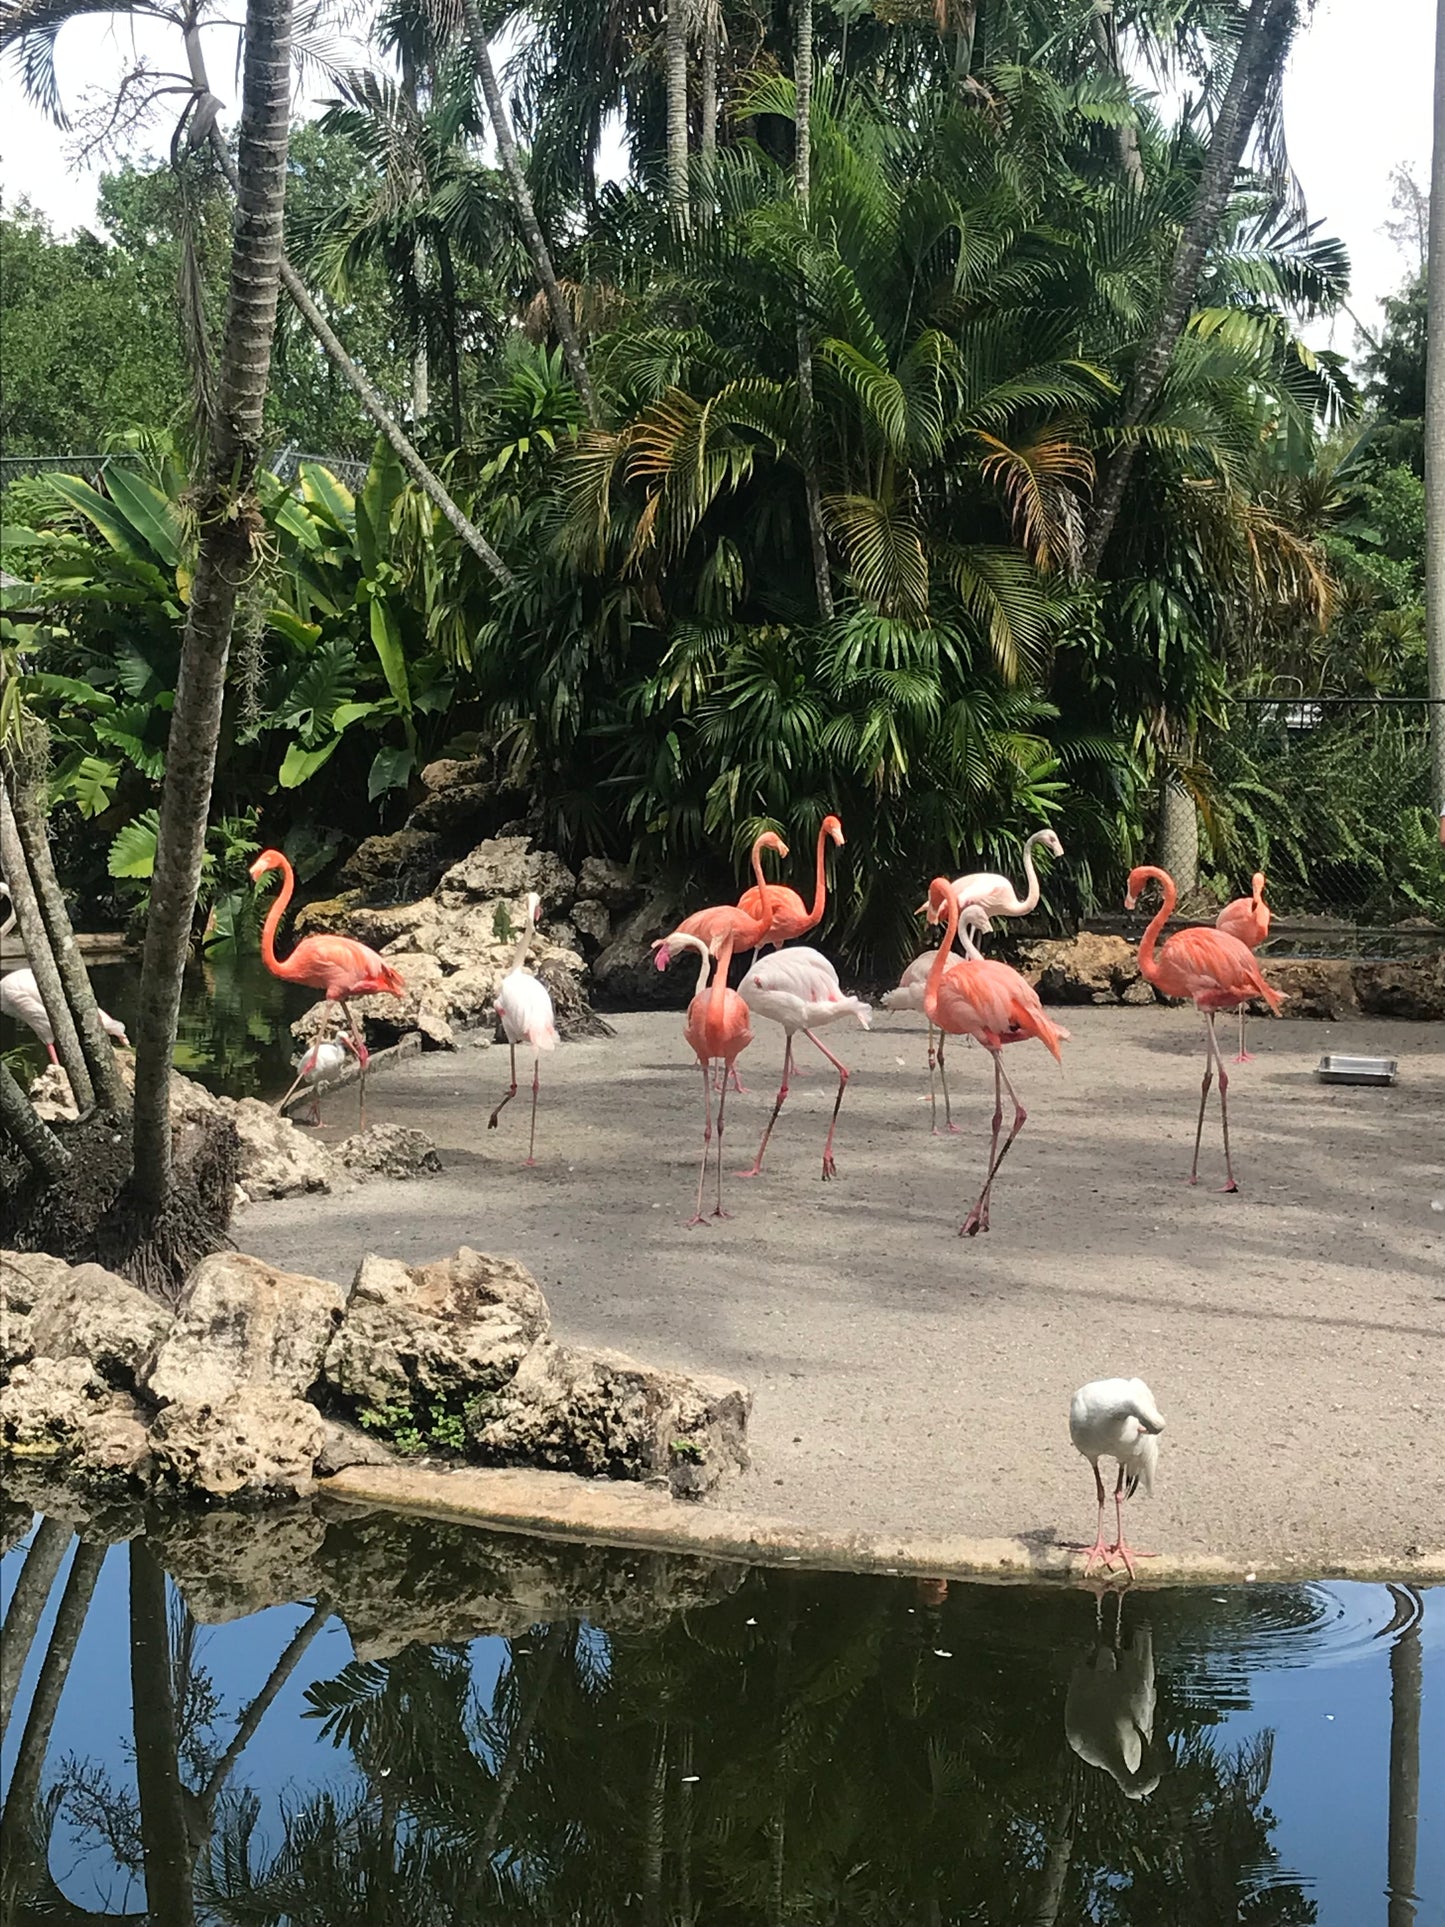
(830, 1168)
(1231, 1186)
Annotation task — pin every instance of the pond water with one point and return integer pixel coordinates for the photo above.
(343, 1716)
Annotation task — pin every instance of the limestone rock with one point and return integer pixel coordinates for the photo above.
(1315, 988)
(51, 1095)
(610, 884)
(242, 1325)
(462, 811)
(27, 1278)
(326, 915)
(277, 1158)
(259, 1439)
(575, 1016)
(449, 773)
(113, 1443)
(451, 1329)
(508, 867)
(94, 1315)
(1407, 989)
(606, 1415)
(45, 1406)
(593, 922)
(625, 972)
(348, 1445)
(389, 1151)
(395, 868)
(1086, 969)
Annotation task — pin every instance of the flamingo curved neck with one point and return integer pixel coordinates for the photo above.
(1029, 902)
(719, 978)
(1147, 963)
(765, 901)
(9, 923)
(524, 942)
(820, 883)
(278, 966)
(942, 958)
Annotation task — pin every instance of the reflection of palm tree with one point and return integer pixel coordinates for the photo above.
(1406, 1682)
(27, 1603)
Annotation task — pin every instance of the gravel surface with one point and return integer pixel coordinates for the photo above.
(910, 1380)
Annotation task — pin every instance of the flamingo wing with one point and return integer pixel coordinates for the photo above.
(791, 916)
(1214, 969)
(526, 1011)
(342, 967)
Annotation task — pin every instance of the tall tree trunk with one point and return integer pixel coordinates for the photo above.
(27, 1605)
(802, 176)
(527, 213)
(35, 1141)
(708, 82)
(1178, 850)
(27, 796)
(1435, 431)
(230, 522)
(1262, 48)
(1406, 1683)
(1055, 1873)
(42, 960)
(1126, 137)
(447, 271)
(169, 1853)
(675, 72)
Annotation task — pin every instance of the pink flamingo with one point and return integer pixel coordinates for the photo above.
(981, 998)
(339, 967)
(1216, 972)
(720, 921)
(1248, 919)
(524, 1009)
(995, 894)
(718, 1029)
(791, 917)
(799, 989)
(908, 995)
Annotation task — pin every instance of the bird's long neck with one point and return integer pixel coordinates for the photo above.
(718, 999)
(942, 958)
(1147, 963)
(765, 900)
(820, 881)
(278, 966)
(967, 933)
(1256, 890)
(1030, 900)
(524, 942)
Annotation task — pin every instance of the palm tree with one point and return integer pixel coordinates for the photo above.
(1435, 427)
(230, 521)
(802, 177)
(675, 39)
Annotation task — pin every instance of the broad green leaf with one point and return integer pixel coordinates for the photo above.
(323, 491)
(349, 713)
(300, 765)
(386, 639)
(89, 782)
(96, 508)
(133, 851)
(385, 479)
(292, 516)
(148, 512)
(390, 770)
(69, 689)
(302, 635)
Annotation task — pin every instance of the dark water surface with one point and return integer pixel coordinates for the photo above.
(340, 1716)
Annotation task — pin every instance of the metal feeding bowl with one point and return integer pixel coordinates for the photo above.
(1335, 1068)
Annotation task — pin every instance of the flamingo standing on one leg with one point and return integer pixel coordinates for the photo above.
(321, 1065)
(1116, 1418)
(718, 1028)
(1248, 919)
(791, 917)
(1216, 972)
(526, 1015)
(987, 1000)
(973, 922)
(799, 989)
(995, 893)
(339, 967)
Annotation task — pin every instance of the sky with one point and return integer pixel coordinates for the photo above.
(1357, 104)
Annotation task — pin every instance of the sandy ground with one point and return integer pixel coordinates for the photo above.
(910, 1380)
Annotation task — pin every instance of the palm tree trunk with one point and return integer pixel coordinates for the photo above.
(447, 270)
(675, 69)
(42, 960)
(35, 1141)
(1056, 1867)
(230, 521)
(1178, 832)
(1406, 1683)
(26, 796)
(708, 82)
(802, 176)
(527, 213)
(169, 1856)
(1435, 431)
(27, 1605)
(1262, 48)
(1126, 137)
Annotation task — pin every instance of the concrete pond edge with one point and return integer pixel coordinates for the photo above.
(560, 1505)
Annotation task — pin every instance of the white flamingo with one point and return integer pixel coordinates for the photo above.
(321, 1066)
(1116, 1418)
(527, 1017)
(996, 894)
(973, 922)
(20, 997)
(1109, 1710)
(799, 989)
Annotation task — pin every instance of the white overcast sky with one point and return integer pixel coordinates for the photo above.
(1357, 104)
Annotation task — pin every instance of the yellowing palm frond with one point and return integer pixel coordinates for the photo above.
(1041, 478)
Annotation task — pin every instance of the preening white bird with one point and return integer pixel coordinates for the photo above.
(908, 995)
(1116, 1418)
(20, 999)
(321, 1066)
(526, 1015)
(996, 893)
(799, 989)
(1109, 1711)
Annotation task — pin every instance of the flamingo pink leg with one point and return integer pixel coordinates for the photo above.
(778, 1103)
(1213, 1060)
(1245, 1056)
(697, 1217)
(1120, 1548)
(536, 1083)
(503, 1102)
(718, 1211)
(932, 1091)
(977, 1219)
(52, 1054)
(948, 1124)
(830, 1168)
(1098, 1550)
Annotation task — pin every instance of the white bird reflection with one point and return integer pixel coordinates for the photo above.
(1109, 1711)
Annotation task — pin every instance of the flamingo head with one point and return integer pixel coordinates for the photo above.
(1138, 878)
(1050, 842)
(661, 955)
(534, 906)
(1256, 886)
(940, 896)
(267, 860)
(770, 840)
(833, 826)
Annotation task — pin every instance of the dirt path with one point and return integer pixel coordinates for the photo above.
(907, 1379)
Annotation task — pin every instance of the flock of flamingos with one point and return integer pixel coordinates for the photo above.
(961, 992)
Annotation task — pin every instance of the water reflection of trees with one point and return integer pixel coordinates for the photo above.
(806, 1749)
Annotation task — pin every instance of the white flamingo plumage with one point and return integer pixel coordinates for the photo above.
(526, 1015)
(321, 1066)
(20, 999)
(1109, 1709)
(1116, 1418)
(798, 988)
(996, 894)
(973, 922)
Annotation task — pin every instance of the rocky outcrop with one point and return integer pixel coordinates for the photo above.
(395, 868)
(389, 1151)
(449, 1331)
(92, 1314)
(608, 1416)
(277, 1158)
(1087, 969)
(503, 870)
(258, 1441)
(625, 973)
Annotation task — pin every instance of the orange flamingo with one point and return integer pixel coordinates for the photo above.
(339, 967)
(1216, 972)
(982, 998)
(1248, 919)
(720, 921)
(718, 1029)
(791, 917)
